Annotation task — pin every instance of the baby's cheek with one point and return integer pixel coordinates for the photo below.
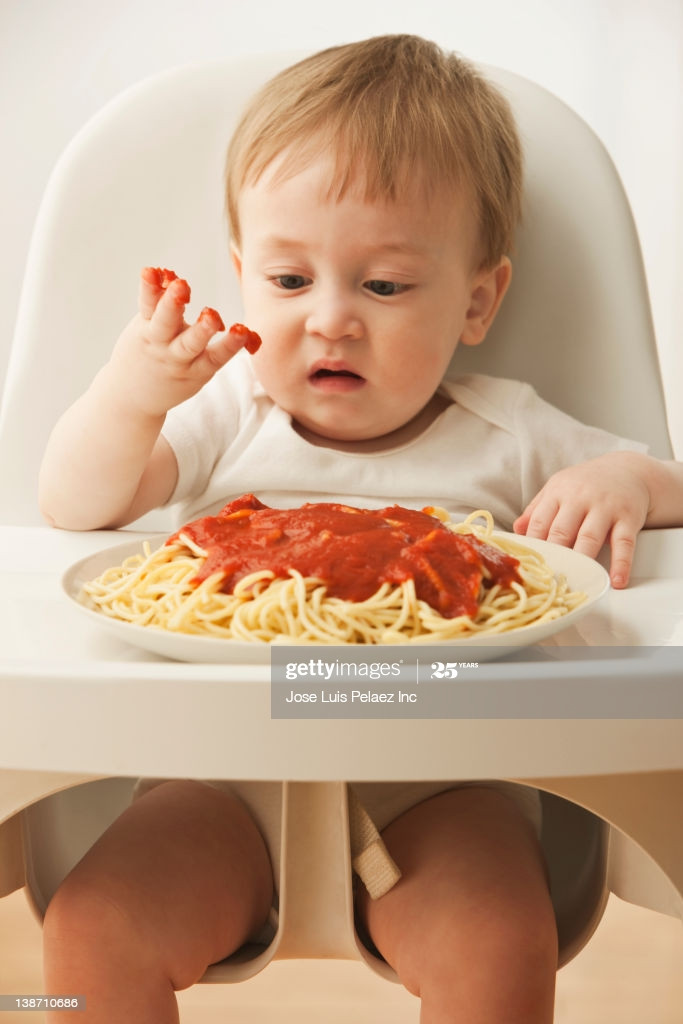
(266, 372)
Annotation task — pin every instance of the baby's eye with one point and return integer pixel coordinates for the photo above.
(291, 281)
(385, 287)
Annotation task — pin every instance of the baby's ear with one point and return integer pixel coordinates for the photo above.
(236, 258)
(488, 289)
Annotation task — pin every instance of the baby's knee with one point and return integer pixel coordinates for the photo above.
(82, 921)
(511, 937)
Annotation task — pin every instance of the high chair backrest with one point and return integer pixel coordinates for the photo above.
(142, 184)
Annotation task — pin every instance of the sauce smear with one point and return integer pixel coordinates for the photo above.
(351, 551)
(252, 341)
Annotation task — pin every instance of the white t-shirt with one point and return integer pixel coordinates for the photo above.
(493, 447)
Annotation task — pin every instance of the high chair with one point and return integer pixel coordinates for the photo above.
(141, 184)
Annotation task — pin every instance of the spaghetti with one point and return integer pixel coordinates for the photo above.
(329, 573)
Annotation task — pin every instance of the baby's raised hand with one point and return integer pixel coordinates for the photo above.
(160, 360)
(584, 506)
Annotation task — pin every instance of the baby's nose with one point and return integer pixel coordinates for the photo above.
(333, 316)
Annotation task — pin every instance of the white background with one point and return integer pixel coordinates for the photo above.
(619, 63)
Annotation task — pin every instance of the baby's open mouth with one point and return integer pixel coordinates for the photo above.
(320, 374)
(331, 377)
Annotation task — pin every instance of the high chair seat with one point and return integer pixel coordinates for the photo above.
(141, 184)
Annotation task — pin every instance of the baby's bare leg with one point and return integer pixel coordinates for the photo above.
(178, 882)
(469, 928)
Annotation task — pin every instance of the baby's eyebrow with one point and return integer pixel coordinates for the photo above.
(278, 242)
(276, 246)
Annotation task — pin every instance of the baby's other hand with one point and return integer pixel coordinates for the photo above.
(586, 505)
(160, 360)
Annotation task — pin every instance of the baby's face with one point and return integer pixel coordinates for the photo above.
(360, 304)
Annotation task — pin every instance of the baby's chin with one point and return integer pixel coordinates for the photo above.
(359, 441)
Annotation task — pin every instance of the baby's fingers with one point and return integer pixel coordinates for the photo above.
(193, 342)
(622, 546)
(167, 321)
(224, 348)
(153, 283)
(567, 524)
(196, 341)
(537, 517)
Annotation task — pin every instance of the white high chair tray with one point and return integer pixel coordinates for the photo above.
(583, 574)
(75, 697)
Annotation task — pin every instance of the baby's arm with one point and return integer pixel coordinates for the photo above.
(106, 462)
(610, 498)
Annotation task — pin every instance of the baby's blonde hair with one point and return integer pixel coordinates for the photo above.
(393, 108)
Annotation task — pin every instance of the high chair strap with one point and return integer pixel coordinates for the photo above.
(369, 856)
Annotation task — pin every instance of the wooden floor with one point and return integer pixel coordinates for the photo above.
(630, 973)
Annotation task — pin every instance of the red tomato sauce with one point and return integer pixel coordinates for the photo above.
(252, 341)
(212, 318)
(352, 551)
(165, 276)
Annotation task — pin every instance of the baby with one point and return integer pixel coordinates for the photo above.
(373, 192)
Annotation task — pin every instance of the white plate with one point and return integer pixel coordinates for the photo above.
(582, 573)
